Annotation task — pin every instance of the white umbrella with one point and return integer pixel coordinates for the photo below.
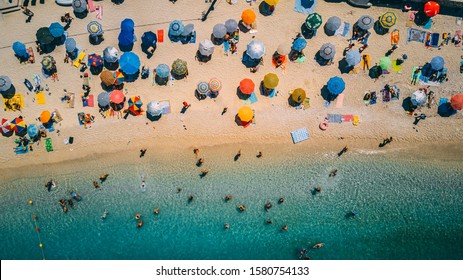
(110, 54)
(154, 108)
(206, 47)
(255, 49)
(419, 97)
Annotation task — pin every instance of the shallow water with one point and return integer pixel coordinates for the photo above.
(407, 209)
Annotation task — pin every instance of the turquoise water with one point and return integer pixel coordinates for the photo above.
(407, 209)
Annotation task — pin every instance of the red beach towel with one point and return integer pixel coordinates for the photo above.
(90, 101)
(160, 35)
(91, 7)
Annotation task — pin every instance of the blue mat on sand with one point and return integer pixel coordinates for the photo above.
(305, 6)
(252, 99)
(335, 118)
(443, 100)
(300, 135)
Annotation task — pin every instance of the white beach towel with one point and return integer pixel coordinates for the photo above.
(99, 12)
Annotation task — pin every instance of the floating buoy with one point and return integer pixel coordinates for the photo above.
(30, 201)
(35, 217)
(37, 229)
(40, 245)
(324, 125)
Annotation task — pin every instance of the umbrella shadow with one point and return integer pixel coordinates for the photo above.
(217, 41)
(407, 104)
(291, 102)
(241, 95)
(81, 15)
(344, 67)
(242, 27)
(379, 29)
(132, 77)
(238, 120)
(144, 49)
(176, 76)
(326, 94)
(125, 48)
(96, 70)
(307, 33)
(9, 93)
(107, 88)
(111, 65)
(153, 118)
(248, 61)
(265, 9)
(320, 60)
(445, 110)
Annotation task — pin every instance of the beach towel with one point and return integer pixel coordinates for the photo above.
(13, 104)
(458, 33)
(443, 100)
(193, 37)
(253, 98)
(386, 95)
(226, 47)
(300, 59)
(57, 116)
(334, 118)
(40, 96)
(413, 71)
(343, 30)
(71, 100)
(30, 51)
(340, 100)
(165, 106)
(395, 37)
(428, 24)
(300, 135)
(396, 68)
(99, 12)
(88, 101)
(416, 35)
(432, 40)
(347, 118)
(48, 144)
(373, 98)
(160, 35)
(21, 150)
(355, 121)
(91, 7)
(79, 59)
(80, 117)
(306, 103)
(298, 7)
(366, 61)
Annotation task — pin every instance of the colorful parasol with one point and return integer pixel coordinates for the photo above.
(18, 125)
(271, 81)
(179, 67)
(431, 8)
(94, 28)
(119, 77)
(215, 84)
(248, 16)
(245, 114)
(388, 19)
(48, 62)
(45, 116)
(298, 95)
(203, 88)
(313, 21)
(457, 101)
(95, 60)
(135, 105)
(5, 126)
(117, 96)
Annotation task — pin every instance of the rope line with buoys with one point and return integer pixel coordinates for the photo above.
(38, 232)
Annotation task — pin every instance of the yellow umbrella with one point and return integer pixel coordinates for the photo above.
(272, 2)
(298, 95)
(271, 81)
(245, 114)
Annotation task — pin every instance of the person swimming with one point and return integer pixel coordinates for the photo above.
(190, 198)
(96, 185)
(103, 177)
(226, 226)
(318, 245)
(333, 173)
(241, 207)
(228, 197)
(269, 221)
(139, 224)
(143, 185)
(281, 200)
(104, 214)
(284, 228)
(268, 206)
(137, 216)
(156, 211)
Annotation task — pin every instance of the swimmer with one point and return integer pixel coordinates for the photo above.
(156, 211)
(196, 152)
(143, 185)
(268, 206)
(319, 245)
(269, 221)
(227, 226)
(104, 214)
(139, 224)
(333, 173)
(200, 162)
(228, 197)
(204, 172)
(96, 185)
(103, 177)
(179, 190)
(71, 203)
(284, 228)
(281, 200)
(190, 198)
(137, 217)
(241, 207)
(318, 189)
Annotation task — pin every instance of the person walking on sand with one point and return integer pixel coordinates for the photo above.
(237, 156)
(200, 162)
(224, 110)
(196, 152)
(259, 154)
(103, 177)
(142, 152)
(415, 75)
(345, 149)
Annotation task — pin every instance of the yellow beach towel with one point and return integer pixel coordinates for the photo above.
(79, 59)
(366, 59)
(396, 68)
(15, 103)
(355, 121)
(40, 98)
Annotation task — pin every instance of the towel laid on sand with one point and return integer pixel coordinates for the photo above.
(298, 7)
(300, 135)
(40, 96)
(334, 118)
(416, 35)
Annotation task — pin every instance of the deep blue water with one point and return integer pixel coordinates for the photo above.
(407, 209)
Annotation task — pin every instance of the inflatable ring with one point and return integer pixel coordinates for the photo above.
(323, 125)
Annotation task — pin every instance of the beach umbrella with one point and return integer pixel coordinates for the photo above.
(437, 63)
(231, 25)
(353, 57)
(188, 29)
(18, 125)
(48, 62)
(129, 63)
(135, 105)
(162, 71)
(248, 16)
(103, 99)
(79, 6)
(336, 85)
(95, 60)
(5, 126)
(219, 30)
(284, 48)
(44, 36)
(110, 54)
(45, 116)
(176, 28)
(119, 76)
(327, 51)
(332, 24)
(116, 96)
(385, 62)
(457, 102)
(94, 28)
(365, 22)
(206, 47)
(313, 21)
(19, 49)
(271, 81)
(245, 114)
(149, 39)
(255, 49)
(203, 88)
(179, 67)
(299, 44)
(272, 2)
(247, 86)
(107, 78)
(298, 95)
(388, 19)
(431, 8)
(375, 72)
(127, 25)
(215, 85)
(446, 110)
(5, 83)
(70, 45)
(126, 38)
(56, 29)
(32, 130)
(154, 108)
(419, 97)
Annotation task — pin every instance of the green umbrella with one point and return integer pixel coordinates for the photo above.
(388, 20)
(385, 62)
(313, 21)
(179, 67)
(44, 36)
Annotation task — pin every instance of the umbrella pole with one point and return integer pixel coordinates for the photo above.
(208, 11)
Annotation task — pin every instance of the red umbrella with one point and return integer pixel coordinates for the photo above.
(457, 101)
(247, 86)
(5, 126)
(431, 8)
(117, 96)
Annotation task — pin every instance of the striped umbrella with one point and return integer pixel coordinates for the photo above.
(179, 67)
(215, 84)
(119, 77)
(18, 125)
(203, 88)
(388, 19)
(5, 126)
(135, 105)
(313, 21)
(48, 62)
(95, 28)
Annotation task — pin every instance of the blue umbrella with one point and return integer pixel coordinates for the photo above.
(70, 44)
(336, 85)
(103, 99)
(299, 44)
(149, 39)
(56, 30)
(32, 130)
(19, 49)
(162, 71)
(446, 110)
(353, 57)
(203, 88)
(176, 28)
(129, 63)
(127, 25)
(126, 38)
(437, 63)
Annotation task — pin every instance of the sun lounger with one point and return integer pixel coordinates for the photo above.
(366, 61)
(334, 118)
(57, 116)
(79, 59)
(458, 33)
(48, 144)
(300, 135)
(30, 51)
(160, 35)
(40, 96)
(395, 37)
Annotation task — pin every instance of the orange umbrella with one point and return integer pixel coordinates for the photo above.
(45, 116)
(247, 86)
(457, 102)
(248, 16)
(245, 114)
